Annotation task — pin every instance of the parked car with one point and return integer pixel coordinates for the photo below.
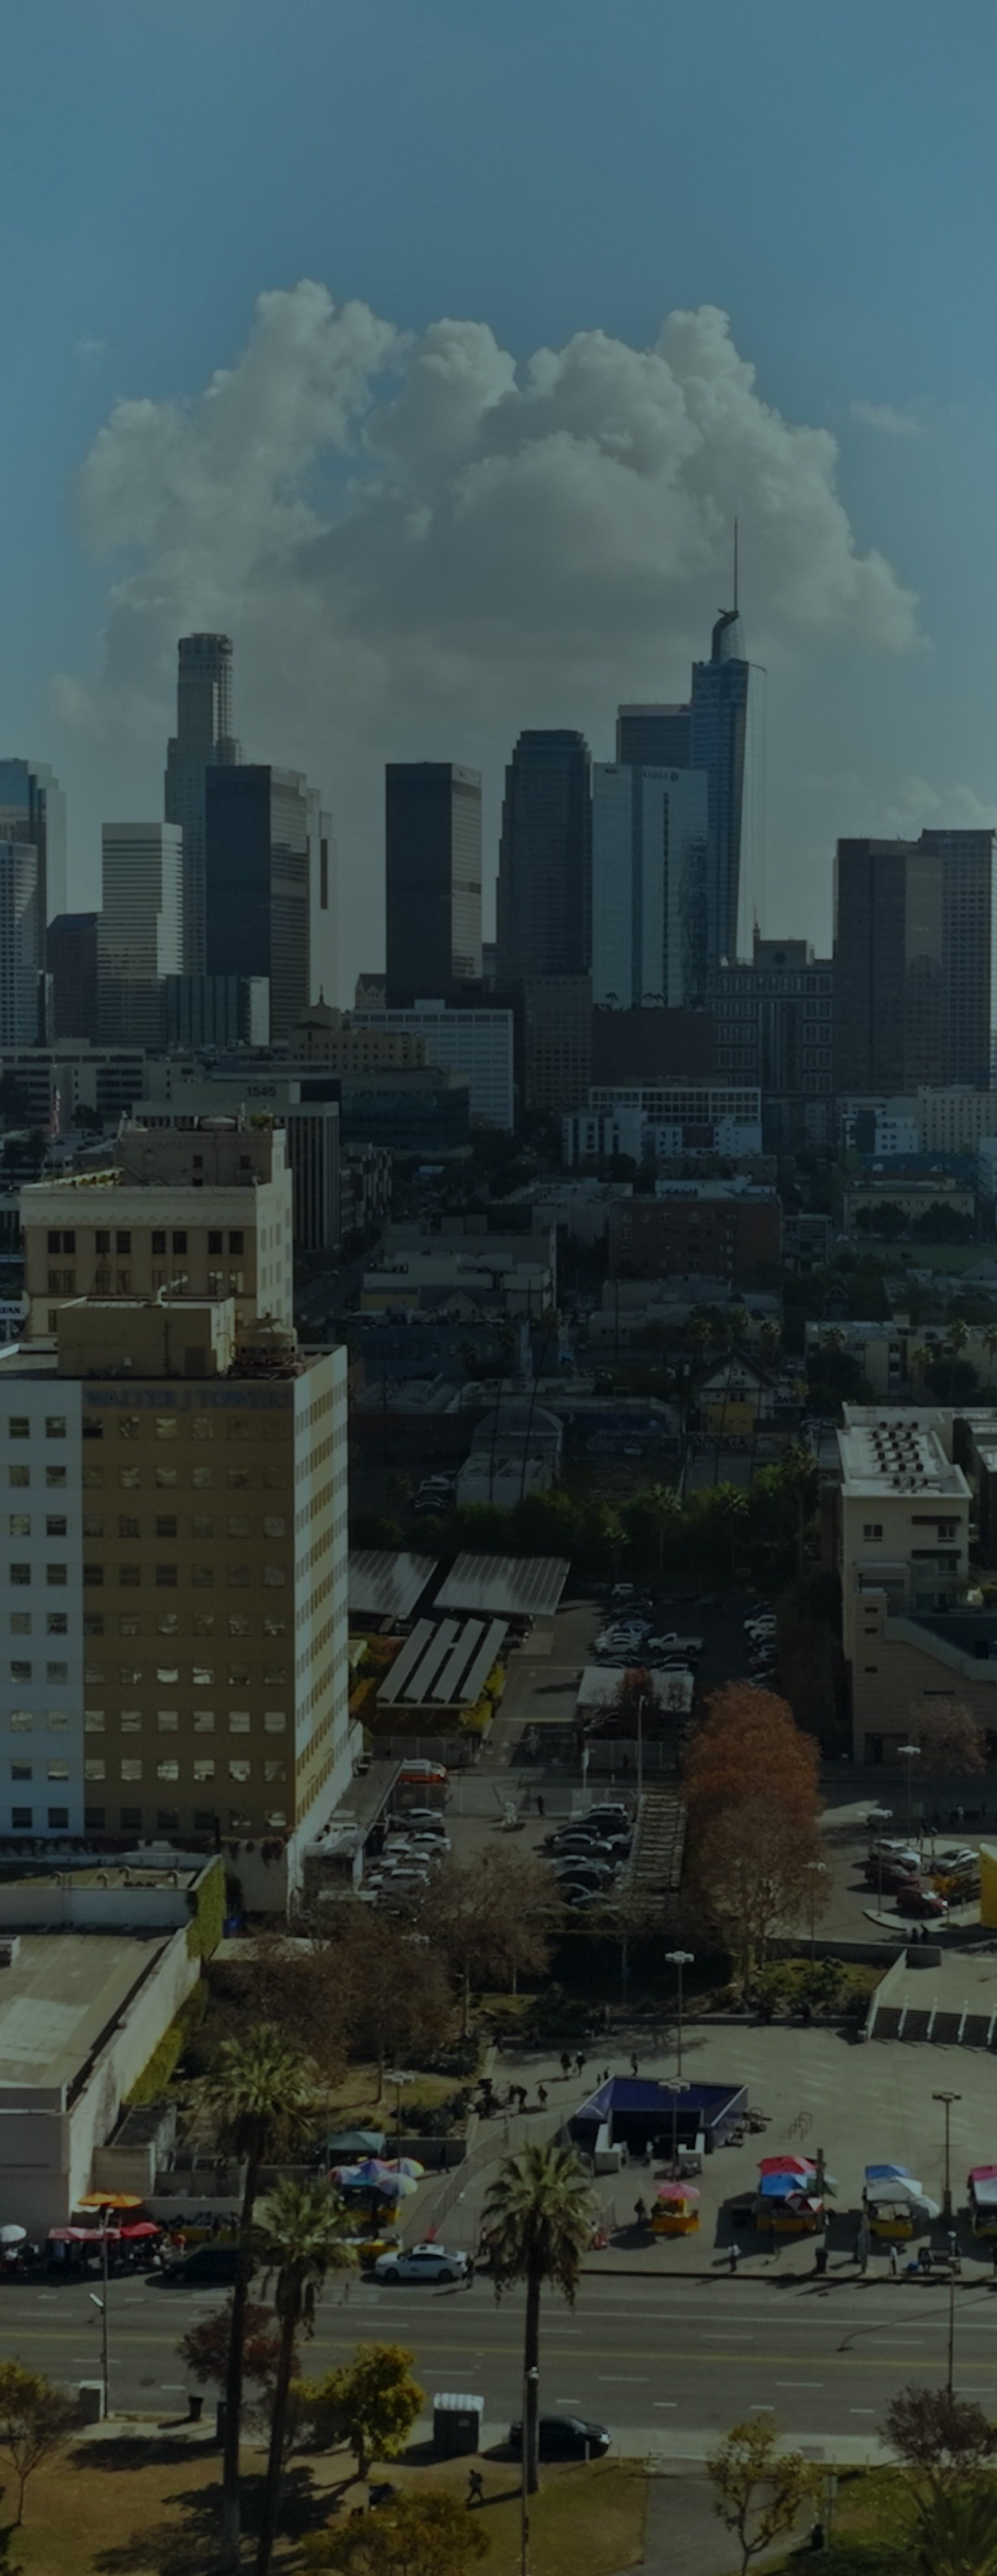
(889, 1874)
(418, 1774)
(423, 1820)
(920, 1900)
(565, 2437)
(430, 2263)
(205, 2267)
(903, 1852)
(584, 1873)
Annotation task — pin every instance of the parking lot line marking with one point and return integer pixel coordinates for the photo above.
(799, 2383)
(567, 2401)
(665, 2405)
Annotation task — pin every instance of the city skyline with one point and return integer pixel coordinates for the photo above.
(447, 482)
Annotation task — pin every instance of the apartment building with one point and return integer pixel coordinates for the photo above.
(173, 1586)
(203, 1211)
(724, 1229)
(903, 1553)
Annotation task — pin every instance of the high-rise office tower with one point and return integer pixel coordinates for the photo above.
(139, 936)
(720, 742)
(432, 820)
(545, 859)
(650, 829)
(33, 808)
(322, 899)
(653, 737)
(915, 976)
(203, 740)
(22, 933)
(72, 972)
(256, 846)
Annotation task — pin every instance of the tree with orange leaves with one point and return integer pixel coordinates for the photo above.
(750, 1746)
(751, 1788)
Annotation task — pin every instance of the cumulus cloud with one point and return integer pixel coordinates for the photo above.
(889, 419)
(419, 543)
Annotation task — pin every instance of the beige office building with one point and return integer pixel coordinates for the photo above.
(203, 1211)
(173, 1587)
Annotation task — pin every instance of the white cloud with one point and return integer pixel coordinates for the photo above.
(889, 419)
(419, 545)
(88, 349)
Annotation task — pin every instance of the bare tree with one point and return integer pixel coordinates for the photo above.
(952, 1742)
(942, 2439)
(490, 1918)
(756, 1869)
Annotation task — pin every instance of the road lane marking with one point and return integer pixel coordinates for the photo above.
(623, 2379)
(799, 2383)
(665, 2405)
(861, 2410)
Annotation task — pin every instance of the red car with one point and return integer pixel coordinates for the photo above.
(889, 1874)
(919, 1900)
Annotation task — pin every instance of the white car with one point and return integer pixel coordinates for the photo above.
(430, 2263)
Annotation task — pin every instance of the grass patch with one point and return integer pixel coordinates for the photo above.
(137, 2507)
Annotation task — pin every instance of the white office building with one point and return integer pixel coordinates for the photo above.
(478, 1043)
(649, 846)
(140, 935)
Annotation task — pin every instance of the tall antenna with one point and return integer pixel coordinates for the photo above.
(735, 564)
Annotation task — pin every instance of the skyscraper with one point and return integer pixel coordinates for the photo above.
(22, 931)
(432, 820)
(649, 857)
(203, 740)
(719, 743)
(545, 859)
(256, 844)
(915, 970)
(139, 933)
(322, 899)
(653, 737)
(33, 808)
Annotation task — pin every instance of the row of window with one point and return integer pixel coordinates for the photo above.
(167, 1479)
(202, 1721)
(240, 1578)
(167, 1624)
(133, 1820)
(164, 1525)
(202, 1767)
(59, 1240)
(19, 1426)
(166, 1426)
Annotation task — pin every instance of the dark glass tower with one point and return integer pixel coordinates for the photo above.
(256, 883)
(202, 740)
(914, 962)
(718, 744)
(432, 842)
(545, 859)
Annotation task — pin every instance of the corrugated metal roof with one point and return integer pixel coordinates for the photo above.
(386, 1584)
(509, 1587)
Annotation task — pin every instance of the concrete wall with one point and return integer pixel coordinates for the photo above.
(896, 1667)
(28, 1905)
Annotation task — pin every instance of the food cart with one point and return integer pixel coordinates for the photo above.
(982, 2187)
(784, 2207)
(675, 2211)
(896, 2204)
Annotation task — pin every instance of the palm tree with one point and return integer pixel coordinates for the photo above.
(956, 1340)
(262, 2096)
(538, 2218)
(957, 2532)
(301, 2241)
(920, 1361)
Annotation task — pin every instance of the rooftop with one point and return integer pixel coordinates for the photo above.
(898, 1454)
(60, 2000)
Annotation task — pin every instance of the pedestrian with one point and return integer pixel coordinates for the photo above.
(640, 2212)
(522, 2097)
(541, 1809)
(634, 2068)
(469, 2273)
(734, 2257)
(542, 2096)
(475, 2487)
(565, 2063)
(579, 2061)
(894, 2267)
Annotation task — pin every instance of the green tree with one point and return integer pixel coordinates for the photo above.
(371, 2402)
(489, 1918)
(956, 2533)
(538, 2218)
(415, 2535)
(204, 2349)
(301, 2242)
(943, 2440)
(262, 2097)
(392, 1984)
(34, 2421)
(758, 2489)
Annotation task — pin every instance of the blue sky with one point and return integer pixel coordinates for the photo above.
(822, 173)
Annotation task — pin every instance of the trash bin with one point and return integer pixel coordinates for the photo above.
(90, 2400)
(195, 2406)
(456, 2425)
(820, 2259)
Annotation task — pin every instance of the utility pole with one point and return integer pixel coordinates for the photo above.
(947, 2100)
(679, 1959)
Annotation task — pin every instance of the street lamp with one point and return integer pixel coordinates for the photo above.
(679, 1959)
(399, 2075)
(909, 1753)
(947, 2099)
(675, 2088)
(815, 1869)
(886, 1818)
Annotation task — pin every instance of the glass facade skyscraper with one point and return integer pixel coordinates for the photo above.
(256, 872)
(203, 740)
(915, 963)
(545, 859)
(33, 808)
(432, 842)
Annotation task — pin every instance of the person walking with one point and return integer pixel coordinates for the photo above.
(475, 2487)
(634, 2068)
(640, 2212)
(734, 2257)
(541, 1809)
(579, 2061)
(542, 2096)
(565, 2063)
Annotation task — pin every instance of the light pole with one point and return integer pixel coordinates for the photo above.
(886, 1819)
(679, 2086)
(679, 1959)
(910, 1753)
(399, 2075)
(815, 1869)
(102, 2304)
(531, 2379)
(947, 2099)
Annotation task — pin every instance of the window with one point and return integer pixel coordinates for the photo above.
(274, 1627)
(239, 1578)
(20, 1818)
(203, 1427)
(872, 1529)
(60, 1673)
(57, 1770)
(202, 1477)
(167, 1623)
(21, 1770)
(274, 1720)
(166, 1476)
(129, 1478)
(131, 1820)
(239, 1770)
(127, 1626)
(92, 1528)
(91, 1431)
(19, 1476)
(58, 1820)
(166, 1525)
(275, 1770)
(129, 1576)
(168, 1820)
(204, 1624)
(57, 1625)
(167, 1720)
(128, 1525)
(53, 1475)
(20, 1573)
(274, 1479)
(55, 1525)
(238, 1479)
(131, 1766)
(129, 1426)
(53, 1242)
(102, 1282)
(275, 1526)
(93, 1721)
(158, 1242)
(130, 1721)
(18, 1426)
(237, 1528)
(55, 1426)
(20, 1672)
(166, 1426)
(168, 1770)
(58, 1721)
(204, 1768)
(201, 1527)
(238, 1675)
(202, 1577)
(180, 1242)
(93, 1820)
(238, 1624)
(204, 1721)
(20, 1623)
(122, 1242)
(236, 1242)
(167, 1578)
(275, 1576)
(204, 1675)
(93, 1577)
(216, 1242)
(19, 1524)
(102, 1240)
(204, 1820)
(238, 1721)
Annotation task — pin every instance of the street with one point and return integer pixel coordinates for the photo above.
(655, 2361)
